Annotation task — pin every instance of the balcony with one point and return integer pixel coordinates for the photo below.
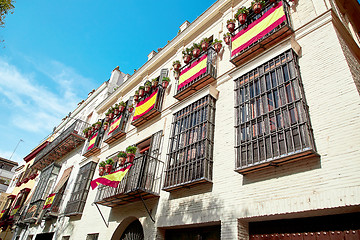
(64, 143)
(149, 107)
(196, 74)
(142, 181)
(116, 129)
(92, 145)
(33, 212)
(254, 36)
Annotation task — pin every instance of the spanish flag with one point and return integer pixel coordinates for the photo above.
(49, 200)
(145, 106)
(114, 125)
(14, 210)
(92, 141)
(258, 29)
(111, 180)
(190, 73)
(2, 213)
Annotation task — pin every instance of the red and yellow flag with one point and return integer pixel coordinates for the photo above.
(145, 106)
(49, 200)
(190, 73)
(2, 213)
(111, 180)
(258, 29)
(92, 142)
(14, 210)
(114, 125)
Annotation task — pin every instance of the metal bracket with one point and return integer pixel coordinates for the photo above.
(107, 224)
(147, 209)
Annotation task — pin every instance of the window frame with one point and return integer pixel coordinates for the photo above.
(272, 122)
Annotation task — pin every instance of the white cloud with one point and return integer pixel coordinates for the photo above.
(41, 106)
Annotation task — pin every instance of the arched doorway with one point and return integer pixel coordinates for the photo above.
(133, 232)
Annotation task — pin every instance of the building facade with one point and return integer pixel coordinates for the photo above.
(255, 139)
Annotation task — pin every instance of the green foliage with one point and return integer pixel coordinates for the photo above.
(154, 80)
(196, 45)
(176, 62)
(187, 51)
(242, 10)
(131, 149)
(148, 83)
(262, 2)
(166, 79)
(230, 21)
(122, 154)
(122, 103)
(110, 161)
(137, 92)
(141, 87)
(216, 41)
(131, 106)
(204, 40)
(6, 7)
(227, 35)
(102, 164)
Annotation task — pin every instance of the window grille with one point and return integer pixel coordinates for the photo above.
(81, 188)
(47, 180)
(272, 119)
(93, 236)
(191, 144)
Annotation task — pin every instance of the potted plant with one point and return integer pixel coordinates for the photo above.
(141, 91)
(187, 55)
(241, 14)
(111, 113)
(227, 38)
(217, 45)
(130, 150)
(109, 164)
(196, 50)
(176, 65)
(147, 86)
(90, 131)
(97, 125)
(106, 125)
(122, 106)
(136, 96)
(204, 44)
(116, 109)
(102, 168)
(86, 132)
(230, 24)
(122, 157)
(256, 5)
(165, 82)
(131, 108)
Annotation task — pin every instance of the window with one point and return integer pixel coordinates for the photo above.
(93, 236)
(191, 144)
(47, 180)
(66, 238)
(271, 113)
(79, 194)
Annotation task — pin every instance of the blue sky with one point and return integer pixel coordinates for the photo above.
(55, 52)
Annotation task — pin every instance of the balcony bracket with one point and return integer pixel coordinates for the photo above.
(107, 224)
(147, 209)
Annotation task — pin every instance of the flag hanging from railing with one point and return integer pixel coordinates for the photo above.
(190, 73)
(49, 200)
(92, 141)
(114, 125)
(14, 210)
(2, 213)
(112, 179)
(258, 29)
(145, 106)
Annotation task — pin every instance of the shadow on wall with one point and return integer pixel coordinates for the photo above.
(287, 169)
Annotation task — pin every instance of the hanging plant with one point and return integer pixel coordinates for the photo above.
(154, 82)
(106, 125)
(141, 91)
(165, 82)
(122, 106)
(187, 54)
(204, 44)
(116, 109)
(196, 50)
(147, 86)
(109, 165)
(130, 108)
(230, 24)
(102, 168)
(122, 158)
(217, 45)
(256, 5)
(136, 96)
(176, 65)
(227, 38)
(242, 14)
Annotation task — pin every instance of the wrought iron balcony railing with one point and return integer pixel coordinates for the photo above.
(198, 73)
(116, 127)
(141, 182)
(149, 107)
(33, 212)
(260, 32)
(92, 145)
(65, 142)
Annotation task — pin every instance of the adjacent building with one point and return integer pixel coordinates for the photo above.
(255, 138)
